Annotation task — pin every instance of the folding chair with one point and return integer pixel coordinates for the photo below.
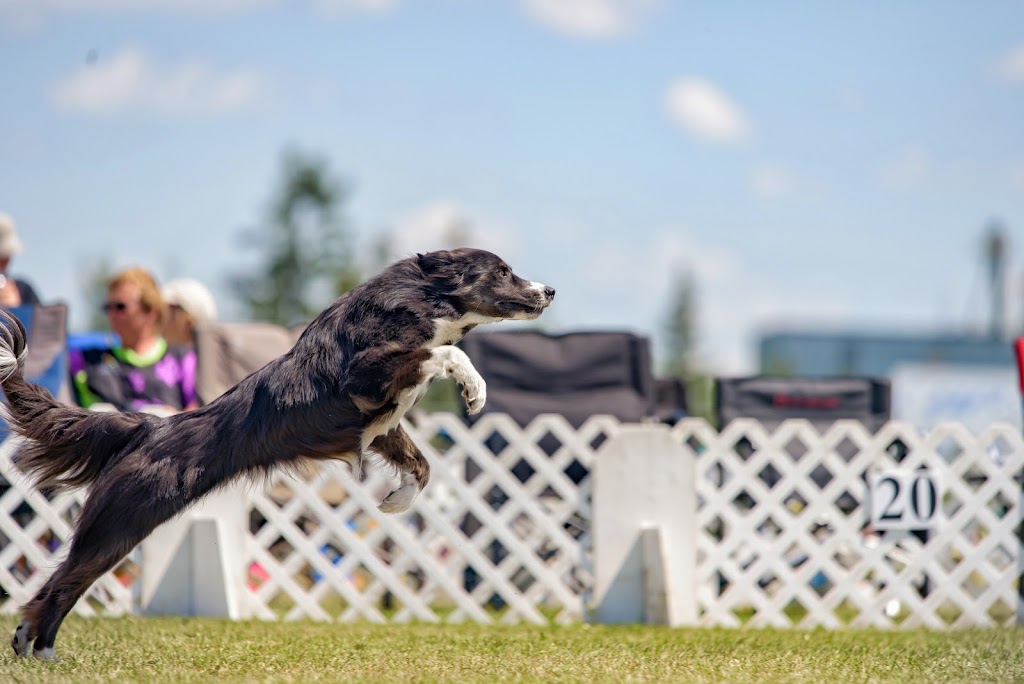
(47, 360)
(227, 353)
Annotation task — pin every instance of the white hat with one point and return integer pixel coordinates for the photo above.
(9, 242)
(192, 296)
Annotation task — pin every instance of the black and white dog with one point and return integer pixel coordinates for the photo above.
(340, 392)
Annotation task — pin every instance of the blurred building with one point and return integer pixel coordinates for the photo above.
(935, 378)
(874, 354)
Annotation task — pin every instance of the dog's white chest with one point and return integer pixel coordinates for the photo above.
(448, 331)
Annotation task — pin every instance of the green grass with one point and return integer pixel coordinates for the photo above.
(201, 650)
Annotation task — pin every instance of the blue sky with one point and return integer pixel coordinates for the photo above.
(815, 164)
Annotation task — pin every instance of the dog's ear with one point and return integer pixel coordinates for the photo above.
(432, 262)
(440, 266)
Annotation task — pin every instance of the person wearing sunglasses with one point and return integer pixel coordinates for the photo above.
(143, 372)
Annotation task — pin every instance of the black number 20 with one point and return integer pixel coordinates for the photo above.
(923, 498)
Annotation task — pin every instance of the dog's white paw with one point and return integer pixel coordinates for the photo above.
(46, 654)
(21, 643)
(474, 391)
(458, 365)
(401, 499)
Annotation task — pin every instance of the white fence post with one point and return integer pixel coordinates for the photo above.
(194, 564)
(645, 517)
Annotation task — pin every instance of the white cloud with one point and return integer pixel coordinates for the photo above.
(1010, 67)
(27, 14)
(92, 6)
(701, 109)
(591, 18)
(444, 224)
(342, 7)
(130, 82)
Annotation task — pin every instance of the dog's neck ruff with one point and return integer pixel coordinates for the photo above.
(448, 331)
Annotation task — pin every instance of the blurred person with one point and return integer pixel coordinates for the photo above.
(189, 305)
(13, 291)
(144, 372)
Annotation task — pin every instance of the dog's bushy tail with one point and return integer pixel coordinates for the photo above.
(66, 446)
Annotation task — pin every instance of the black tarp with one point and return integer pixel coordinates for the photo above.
(819, 400)
(576, 374)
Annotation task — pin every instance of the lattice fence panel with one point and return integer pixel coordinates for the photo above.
(501, 533)
(34, 530)
(785, 536)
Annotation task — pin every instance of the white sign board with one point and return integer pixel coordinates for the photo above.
(925, 395)
(905, 500)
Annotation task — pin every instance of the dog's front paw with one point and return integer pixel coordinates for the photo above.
(401, 499)
(474, 391)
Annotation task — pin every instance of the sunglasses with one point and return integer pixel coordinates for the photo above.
(120, 307)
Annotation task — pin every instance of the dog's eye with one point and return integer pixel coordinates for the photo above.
(504, 273)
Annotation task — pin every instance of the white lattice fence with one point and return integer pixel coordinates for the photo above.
(502, 532)
(501, 525)
(784, 532)
(33, 529)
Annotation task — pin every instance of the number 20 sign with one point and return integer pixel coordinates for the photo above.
(904, 500)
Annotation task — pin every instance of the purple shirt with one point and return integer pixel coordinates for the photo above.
(131, 381)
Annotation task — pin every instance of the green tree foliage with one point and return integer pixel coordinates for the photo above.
(681, 326)
(306, 256)
(681, 339)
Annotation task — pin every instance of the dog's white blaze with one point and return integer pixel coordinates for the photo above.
(540, 287)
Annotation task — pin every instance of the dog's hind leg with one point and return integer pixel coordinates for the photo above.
(22, 641)
(48, 608)
(113, 520)
(398, 449)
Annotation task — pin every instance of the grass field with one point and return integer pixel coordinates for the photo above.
(199, 650)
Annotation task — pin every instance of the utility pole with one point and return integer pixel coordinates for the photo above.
(995, 255)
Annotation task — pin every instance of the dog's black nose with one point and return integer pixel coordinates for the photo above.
(549, 291)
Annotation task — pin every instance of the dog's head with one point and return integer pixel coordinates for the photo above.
(482, 283)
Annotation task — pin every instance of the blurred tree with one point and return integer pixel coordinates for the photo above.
(680, 326)
(681, 337)
(307, 259)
